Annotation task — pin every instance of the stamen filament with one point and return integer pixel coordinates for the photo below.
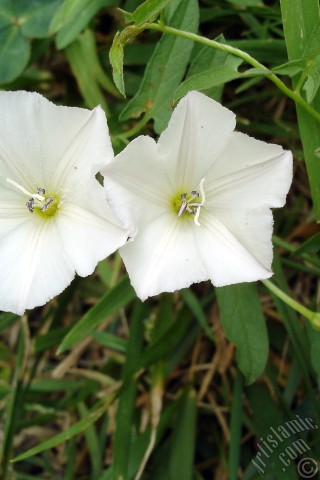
(25, 191)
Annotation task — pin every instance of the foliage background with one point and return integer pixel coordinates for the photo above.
(183, 386)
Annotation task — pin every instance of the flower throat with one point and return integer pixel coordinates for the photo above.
(39, 203)
(192, 203)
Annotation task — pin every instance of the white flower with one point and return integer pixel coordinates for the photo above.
(198, 202)
(54, 217)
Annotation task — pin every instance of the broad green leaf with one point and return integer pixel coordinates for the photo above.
(244, 325)
(61, 437)
(165, 69)
(14, 53)
(183, 440)
(35, 16)
(311, 64)
(300, 19)
(209, 78)
(311, 85)
(72, 17)
(148, 10)
(208, 58)
(86, 67)
(7, 13)
(290, 68)
(116, 298)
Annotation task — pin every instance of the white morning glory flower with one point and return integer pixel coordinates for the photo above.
(198, 202)
(54, 217)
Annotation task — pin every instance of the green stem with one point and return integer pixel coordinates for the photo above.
(245, 56)
(313, 317)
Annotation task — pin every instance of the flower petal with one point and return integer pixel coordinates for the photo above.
(253, 229)
(30, 274)
(89, 230)
(137, 186)
(164, 257)
(87, 152)
(249, 173)
(227, 260)
(197, 132)
(45, 132)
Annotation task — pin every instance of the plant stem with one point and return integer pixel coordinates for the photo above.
(313, 317)
(245, 56)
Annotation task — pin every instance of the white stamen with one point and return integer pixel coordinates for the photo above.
(25, 191)
(182, 208)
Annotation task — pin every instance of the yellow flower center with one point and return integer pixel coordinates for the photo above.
(40, 203)
(189, 203)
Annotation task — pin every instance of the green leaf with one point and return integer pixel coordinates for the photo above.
(183, 439)
(7, 319)
(312, 245)
(244, 325)
(72, 17)
(126, 406)
(86, 67)
(210, 78)
(312, 83)
(35, 16)
(289, 68)
(116, 54)
(148, 10)
(300, 19)
(208, 58)
(92, 441)
(235, 427)
(116, 298)
(314, 340)
(7, 13)
(113, 342)
(267, 416)
(195, 306)
(165, 69)
(61, 437)
(246, 3)
(13, 412)
(14, 53)
(311, 60)
(116, 60)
